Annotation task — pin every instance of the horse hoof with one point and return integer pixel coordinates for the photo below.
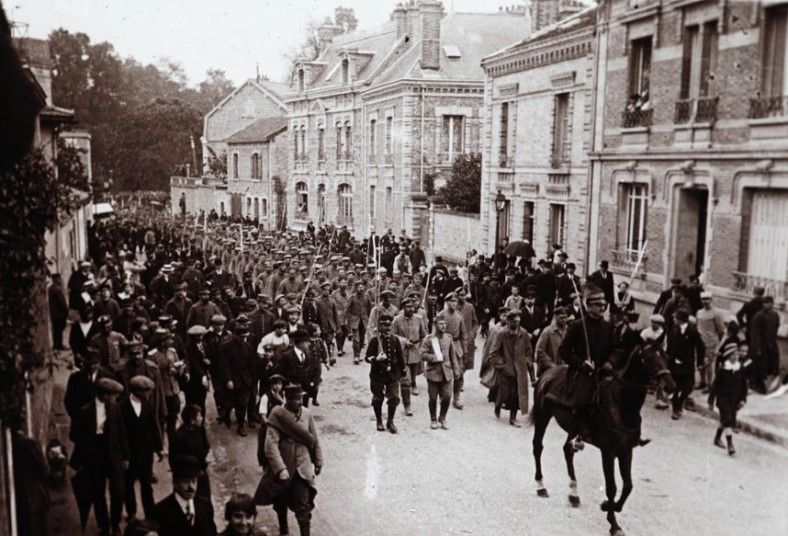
(574, 501)
(542, 492)
(605, 507)
(619, 507)
(617, 532)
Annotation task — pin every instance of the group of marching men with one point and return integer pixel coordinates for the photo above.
(167, 307)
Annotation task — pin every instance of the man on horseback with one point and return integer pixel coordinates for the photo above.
(586, 349)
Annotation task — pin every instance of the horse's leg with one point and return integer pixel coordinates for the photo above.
(569, 456)
(540, 417)
(625, 468)
(608, 466)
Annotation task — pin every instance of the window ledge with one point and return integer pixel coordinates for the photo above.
(768, 121)
(634, 130)
(693, 125)
(769, 129)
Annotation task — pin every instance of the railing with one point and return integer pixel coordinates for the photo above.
(637, 118)
(506, 177)
(626, 259)
(767, 107)
(702, 110)
(559, 179)
(746, 283)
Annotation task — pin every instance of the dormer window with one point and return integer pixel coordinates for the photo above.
(345, 71)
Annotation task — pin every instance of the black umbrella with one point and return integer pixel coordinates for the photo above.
(520, 249)
(83, 493)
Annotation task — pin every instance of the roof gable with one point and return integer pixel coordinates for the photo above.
(266, 87)
(260, 131)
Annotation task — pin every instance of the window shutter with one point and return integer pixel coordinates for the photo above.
(686, 64)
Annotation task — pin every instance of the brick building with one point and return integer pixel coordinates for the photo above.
(690, 146)
(383, 110)
(538, 99)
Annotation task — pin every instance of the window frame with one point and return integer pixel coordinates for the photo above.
(345, 202)
(302, 194)
(561, 151)
(635, 193)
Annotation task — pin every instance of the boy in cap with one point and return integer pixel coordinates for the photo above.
(729, 391)
(183, 512)
(144, 440)
(101, 449)
(384, 354)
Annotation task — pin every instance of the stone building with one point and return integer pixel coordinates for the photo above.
(538, 98)
(242, 128)
(690, 148)
(383, 111)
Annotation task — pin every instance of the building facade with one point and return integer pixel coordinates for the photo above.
(690, 148)
(383, 112)
(538, 97)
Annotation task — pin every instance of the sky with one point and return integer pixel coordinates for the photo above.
(233, 35)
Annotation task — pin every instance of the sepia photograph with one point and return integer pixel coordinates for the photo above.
(393, 267)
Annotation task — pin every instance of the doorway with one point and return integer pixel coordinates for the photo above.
(690, 226)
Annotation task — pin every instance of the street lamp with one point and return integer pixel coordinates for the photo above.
(500, 204)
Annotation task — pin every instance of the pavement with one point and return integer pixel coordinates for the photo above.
(477, 477)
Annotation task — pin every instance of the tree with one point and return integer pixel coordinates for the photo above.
(462, 191)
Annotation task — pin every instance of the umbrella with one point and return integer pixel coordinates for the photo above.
(520, 249)
(83, 493)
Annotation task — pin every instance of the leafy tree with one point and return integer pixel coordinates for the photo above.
(462, 191)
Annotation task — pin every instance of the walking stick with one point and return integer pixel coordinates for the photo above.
(583, 322)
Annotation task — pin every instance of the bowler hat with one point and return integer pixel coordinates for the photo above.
(186, 467)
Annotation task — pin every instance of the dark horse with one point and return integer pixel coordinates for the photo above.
(613, 424)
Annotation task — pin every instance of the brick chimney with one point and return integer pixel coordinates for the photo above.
(547, 12)
(400, 18)
(431, 12)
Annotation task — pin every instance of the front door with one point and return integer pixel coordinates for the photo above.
(690, 224)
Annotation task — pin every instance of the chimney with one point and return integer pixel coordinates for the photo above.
(400, 18)
(431, 12)
(326, 33)
(547, 12)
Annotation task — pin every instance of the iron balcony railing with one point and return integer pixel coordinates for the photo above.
(637, 118)
(701, 110)
(761, 107)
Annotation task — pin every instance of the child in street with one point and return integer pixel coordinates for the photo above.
(729, 391)
(190, 439)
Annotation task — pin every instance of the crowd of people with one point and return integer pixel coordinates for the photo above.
(166, 311)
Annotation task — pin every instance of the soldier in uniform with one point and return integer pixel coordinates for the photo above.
(410, 329)
(384, 354)
(455, 326)
(584, 368)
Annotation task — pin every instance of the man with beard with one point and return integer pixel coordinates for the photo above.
(387, 367)
(203, 311)
(106, 304)
(455, 326)
(410, 328)
(512, 357)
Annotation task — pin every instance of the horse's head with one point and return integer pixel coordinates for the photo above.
(655, 361)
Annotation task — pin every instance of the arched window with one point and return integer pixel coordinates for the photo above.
(256, 213)
(235, 165)
(264, 203)
(255, 166)
(348, 141)
(345, 204)
(302, 199)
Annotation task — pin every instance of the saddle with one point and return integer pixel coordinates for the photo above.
(568, 389)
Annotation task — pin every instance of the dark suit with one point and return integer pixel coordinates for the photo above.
(195, 391)
(58, 313)
(605, 283)
(545, 291)
(565, 288)
(685, 350)
(144, 440)
(78, 340)
(172, 520)
(238, 366)
(533, 321)
(81, 389)
(102, 456)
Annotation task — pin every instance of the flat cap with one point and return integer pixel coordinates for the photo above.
(108, 385)
(141, 383)
(196, 330)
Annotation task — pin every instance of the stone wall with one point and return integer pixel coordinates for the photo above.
(453, 234)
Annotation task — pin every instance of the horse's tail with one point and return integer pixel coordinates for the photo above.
(536, 406)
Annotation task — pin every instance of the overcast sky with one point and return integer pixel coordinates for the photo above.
(200, 34)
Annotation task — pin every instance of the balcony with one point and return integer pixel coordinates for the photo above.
(506, 161)
(321, 165)
(763, 107)
(505, 180)
(746, 283)
(637, 118)
(557, 185)
(626, 259)
(701, 110)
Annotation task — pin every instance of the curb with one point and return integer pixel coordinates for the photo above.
(743, 424)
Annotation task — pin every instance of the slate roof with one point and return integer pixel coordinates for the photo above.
(259, 131)
(582, 19)
(390, 59)
(34, 51)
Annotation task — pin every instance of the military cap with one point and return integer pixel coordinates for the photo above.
(450, 296)
(108, 385)
(387, 294)
(141, 383)
(196, 330)
(561, 310)
(406, 302)
(167, 268)
(164, 320)
(84, 264)
(218, 319)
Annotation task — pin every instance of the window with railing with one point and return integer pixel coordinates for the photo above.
(699, 59)
(639, 109)
(771, 102)
(560, 129)
(302, 199)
